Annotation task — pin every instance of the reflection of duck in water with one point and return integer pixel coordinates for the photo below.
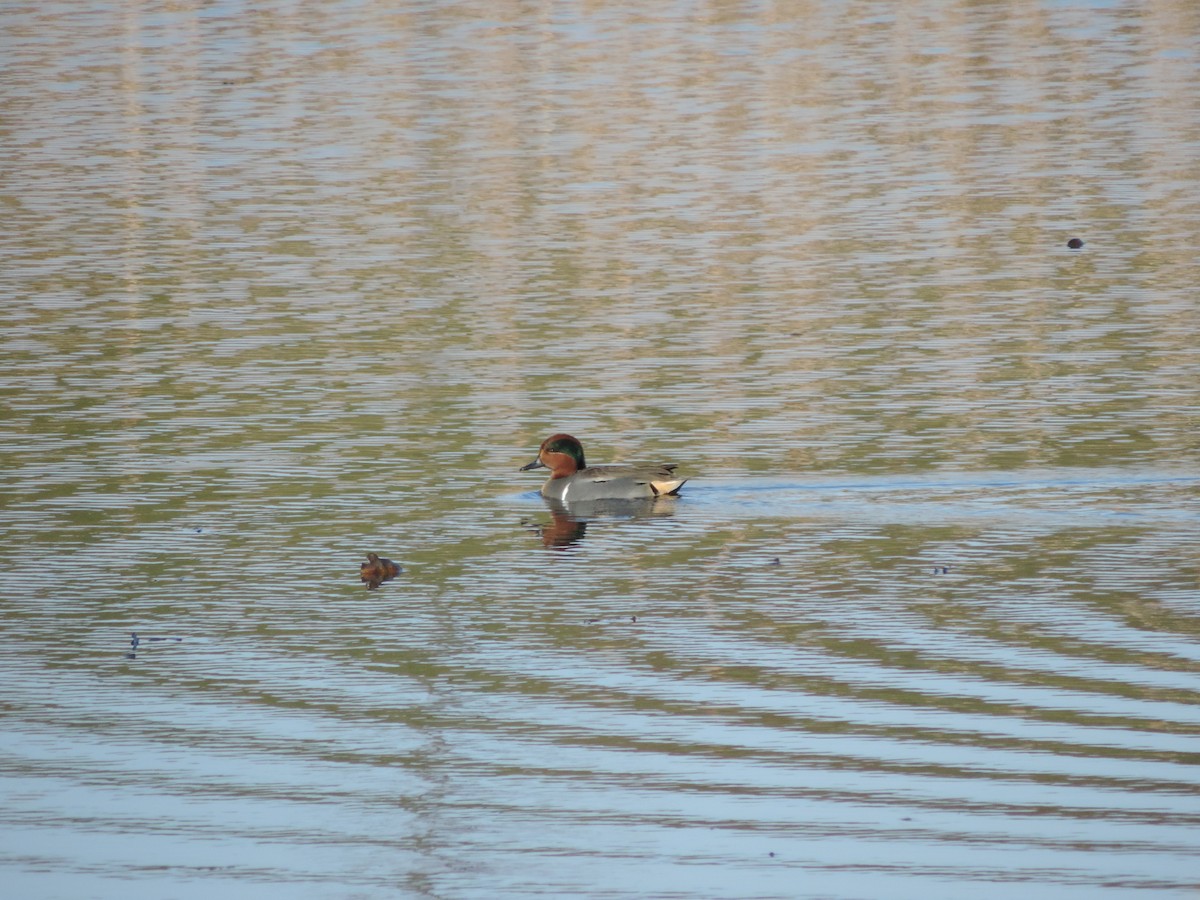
(568, 525)
(573, 480)
(377, 570)
(564, 529)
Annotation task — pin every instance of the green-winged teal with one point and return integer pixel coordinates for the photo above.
(572, 480)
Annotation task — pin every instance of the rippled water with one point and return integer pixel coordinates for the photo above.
(284, 284)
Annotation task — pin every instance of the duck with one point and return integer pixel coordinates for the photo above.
(573, 480)
(377, 570)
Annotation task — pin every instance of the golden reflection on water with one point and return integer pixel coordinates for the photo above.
(285, 285)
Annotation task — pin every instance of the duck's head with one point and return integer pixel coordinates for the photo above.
(561, 454)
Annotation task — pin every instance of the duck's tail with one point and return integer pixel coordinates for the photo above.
(667, 488)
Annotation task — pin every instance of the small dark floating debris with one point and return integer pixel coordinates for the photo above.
(136, 641)
(1074, 243)
(376, 570)
(941, 570)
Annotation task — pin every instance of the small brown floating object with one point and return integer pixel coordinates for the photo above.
(1074, 243)
(376, 570)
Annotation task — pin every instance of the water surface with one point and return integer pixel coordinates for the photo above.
(286, 284)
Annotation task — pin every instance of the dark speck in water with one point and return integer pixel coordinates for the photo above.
(135, 641)
(1074, 243)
